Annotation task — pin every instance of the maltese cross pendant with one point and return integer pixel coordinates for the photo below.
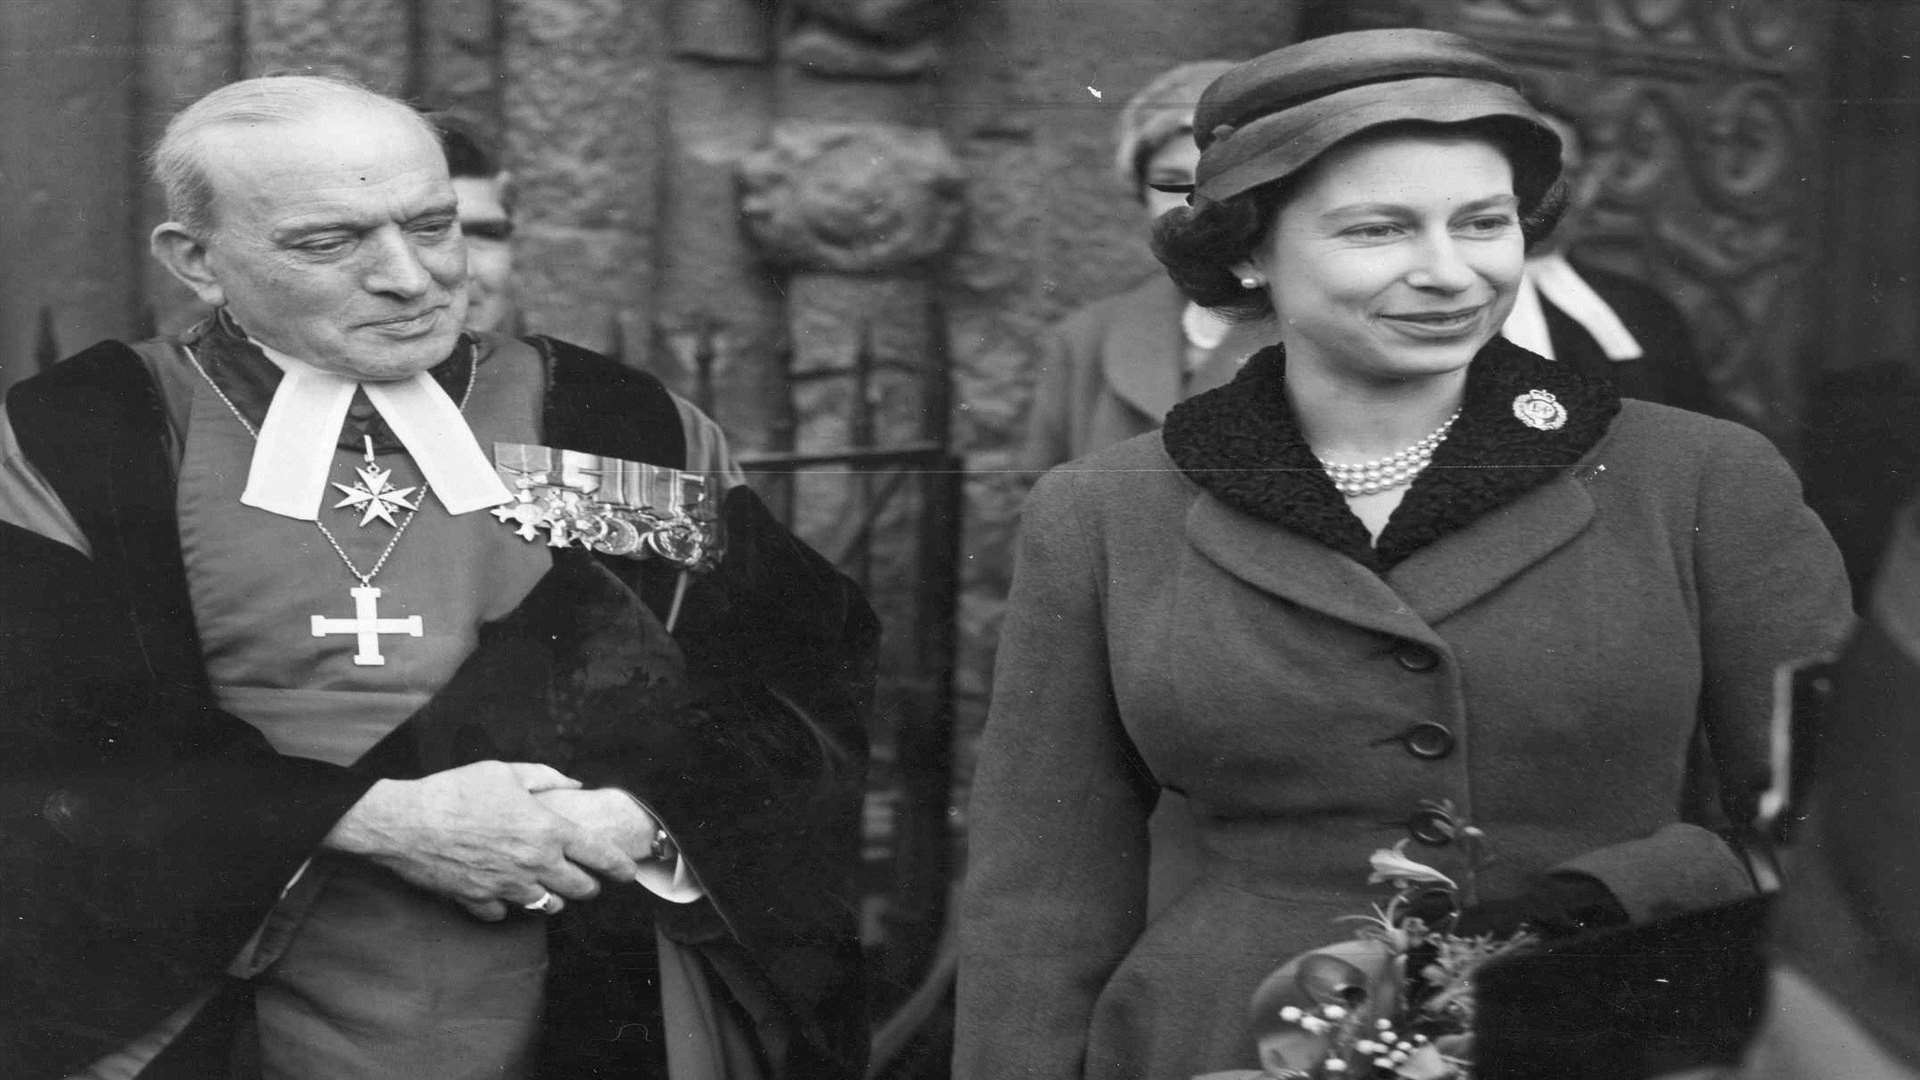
(372, 496)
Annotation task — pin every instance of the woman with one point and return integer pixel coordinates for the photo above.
(1112, 369)
(1501, 642)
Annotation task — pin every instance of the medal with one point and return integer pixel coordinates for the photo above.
(372, 495)
(608, 505)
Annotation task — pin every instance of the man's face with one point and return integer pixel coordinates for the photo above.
(334, 241)
(487, 225)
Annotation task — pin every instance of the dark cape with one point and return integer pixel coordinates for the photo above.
(1670, 370)
(144, 833)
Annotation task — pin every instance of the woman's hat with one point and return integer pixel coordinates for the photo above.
(1268, 118)
(1158, 112)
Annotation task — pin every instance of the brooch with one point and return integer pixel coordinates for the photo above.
(608, 505)
(1540, 410)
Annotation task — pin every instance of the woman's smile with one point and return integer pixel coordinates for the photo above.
(1447, 325)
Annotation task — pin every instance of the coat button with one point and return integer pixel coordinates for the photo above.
(1416, 657)
(1431, 827)
(1428, 740)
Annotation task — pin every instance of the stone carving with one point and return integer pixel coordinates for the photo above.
(866, 38)
(855, 198)
(895, 21)
(1767, 27)
(1550, 8)
(1657, 15)
(1640, 140)
(1749, 148)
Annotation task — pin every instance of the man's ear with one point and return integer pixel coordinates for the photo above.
(185, 257)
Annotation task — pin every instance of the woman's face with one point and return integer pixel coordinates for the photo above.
(1172, 165)
(1395, 258)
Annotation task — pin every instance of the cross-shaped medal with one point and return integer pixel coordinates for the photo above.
(368, 624)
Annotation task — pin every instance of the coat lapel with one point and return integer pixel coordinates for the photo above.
(1296, 568)
(1503, 493)
(1459, 568)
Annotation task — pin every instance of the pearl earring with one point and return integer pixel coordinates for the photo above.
(1249, 282)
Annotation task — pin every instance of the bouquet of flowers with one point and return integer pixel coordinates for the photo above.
(1395, 1002)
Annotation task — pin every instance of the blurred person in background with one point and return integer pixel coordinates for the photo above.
(1603, 323)
(485, 194)
(1112, 369)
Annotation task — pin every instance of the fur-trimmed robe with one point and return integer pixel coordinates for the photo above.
(144, 833)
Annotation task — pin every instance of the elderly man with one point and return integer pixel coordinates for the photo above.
(327, 750)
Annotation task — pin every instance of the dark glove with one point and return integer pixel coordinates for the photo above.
(1557, 906)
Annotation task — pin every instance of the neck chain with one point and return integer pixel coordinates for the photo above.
(366, 623)
(1392, 471)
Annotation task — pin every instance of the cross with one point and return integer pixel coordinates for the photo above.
(367, 623)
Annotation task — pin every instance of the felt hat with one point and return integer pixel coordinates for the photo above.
(1271, 116)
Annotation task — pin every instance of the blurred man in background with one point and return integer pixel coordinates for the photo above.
(485, 194)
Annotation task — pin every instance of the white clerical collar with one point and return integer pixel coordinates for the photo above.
(294, 455)
(1551, 276)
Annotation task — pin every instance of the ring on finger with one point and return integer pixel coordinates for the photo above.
(548, 903)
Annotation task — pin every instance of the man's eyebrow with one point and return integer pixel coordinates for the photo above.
(297, 228)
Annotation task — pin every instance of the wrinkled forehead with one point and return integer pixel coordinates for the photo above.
(347, 152)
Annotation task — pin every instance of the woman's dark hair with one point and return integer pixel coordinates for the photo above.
(1199, 244)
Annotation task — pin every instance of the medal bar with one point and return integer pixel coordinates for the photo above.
(604, 504)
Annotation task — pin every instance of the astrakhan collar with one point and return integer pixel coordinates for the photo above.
(1242, 444)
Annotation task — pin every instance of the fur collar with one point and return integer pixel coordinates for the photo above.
(1242, 444)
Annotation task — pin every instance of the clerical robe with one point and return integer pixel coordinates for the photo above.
(183, 739)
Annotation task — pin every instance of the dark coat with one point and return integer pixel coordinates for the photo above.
(1670, 371)
(144, 833)
(1571, 641)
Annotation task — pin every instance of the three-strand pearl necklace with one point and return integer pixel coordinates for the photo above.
(1392, 471)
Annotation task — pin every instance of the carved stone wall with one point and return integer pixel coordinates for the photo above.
(1705, 120)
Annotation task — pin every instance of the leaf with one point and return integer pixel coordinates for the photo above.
(1392, 865)
(1427, 1063)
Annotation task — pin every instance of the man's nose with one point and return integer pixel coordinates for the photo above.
(1442, 265)
(395, 268)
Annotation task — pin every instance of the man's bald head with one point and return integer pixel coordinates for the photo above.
(179, 160)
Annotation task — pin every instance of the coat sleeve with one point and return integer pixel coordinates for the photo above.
(759, 772)
(1056, 889)
(1049, 439)
(1770, 589)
